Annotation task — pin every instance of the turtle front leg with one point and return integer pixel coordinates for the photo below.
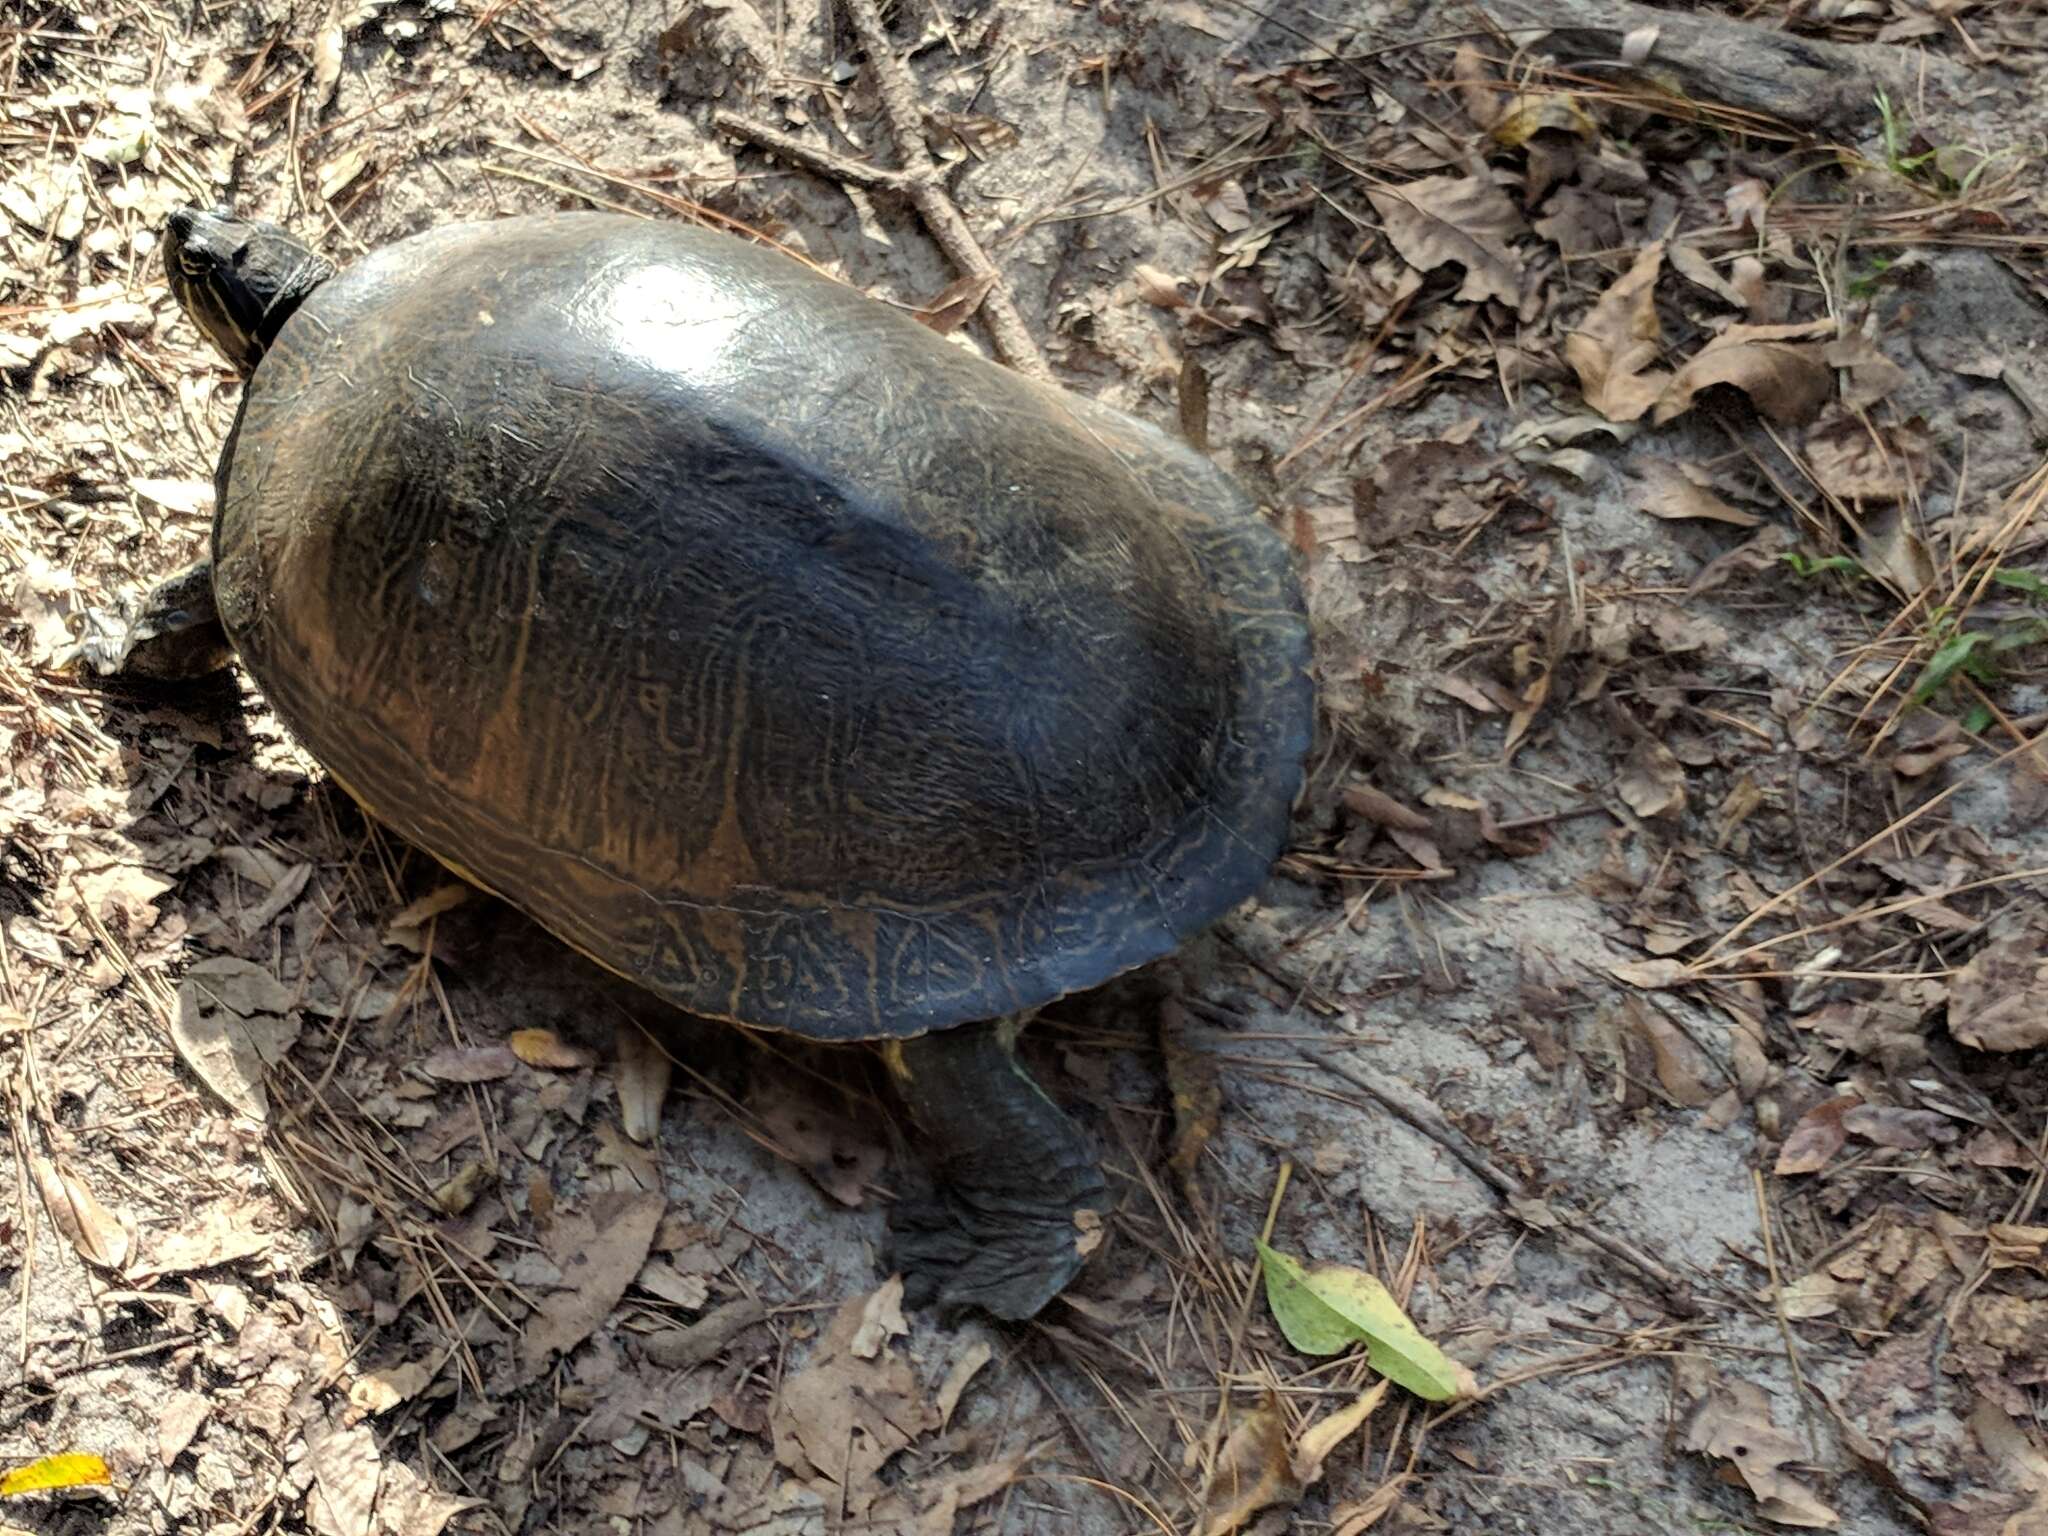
(1021, 1199)
(174, 633)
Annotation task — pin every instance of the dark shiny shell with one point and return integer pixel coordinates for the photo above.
(768, 648)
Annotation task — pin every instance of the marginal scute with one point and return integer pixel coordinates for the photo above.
(763, 645)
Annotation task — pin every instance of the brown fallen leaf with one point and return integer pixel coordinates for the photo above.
(178, 1423)
(844, 1417)
(1253, 1471)
(841, 1156)
(1782, 368)
(1891, 551)
(99, 1235)
(1816, 1137)
(1331, 1431)
(664, 1280)
(1382, 809)
(222, 1232)
(376, 1392)
(644, 1071)
(1669, 490)
(599, 1251)
(1733, 1424)
(1652, 781)
(470, 1063)
(414, 923)
(958, 1375)
(1998, 1001)
(1872, 375)
(683, 1349)
(1653, 975)
(1854, 459)
(1442, 220)
(881, 1319)
(1685, 1071)
(1614, 348)
(230, 1026)
(1691, 263)
(547, 1050)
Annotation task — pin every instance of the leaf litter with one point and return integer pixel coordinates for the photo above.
(1412, 298)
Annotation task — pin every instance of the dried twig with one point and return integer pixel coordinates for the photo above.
(918, 179)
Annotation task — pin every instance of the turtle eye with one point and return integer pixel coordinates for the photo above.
(191, 265)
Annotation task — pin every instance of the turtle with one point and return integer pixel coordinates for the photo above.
(780, 654)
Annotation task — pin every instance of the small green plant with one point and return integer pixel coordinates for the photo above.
(1977, 653)
(1806, 566)
(1948, 169)
(1865, 284)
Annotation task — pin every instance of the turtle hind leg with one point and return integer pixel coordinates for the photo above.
(1021, 1199)
(172, 634)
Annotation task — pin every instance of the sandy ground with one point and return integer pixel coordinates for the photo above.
(1652, 992)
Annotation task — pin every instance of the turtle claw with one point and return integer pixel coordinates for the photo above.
(1008, 1254)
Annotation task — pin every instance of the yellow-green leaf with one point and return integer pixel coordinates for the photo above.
(75, 1470)
(1326, 1309)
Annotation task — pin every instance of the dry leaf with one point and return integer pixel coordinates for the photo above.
(843, 1417)
(1614, 348)
(1616, 345)
(956, 303)
(1891, 551)
(1652, 782)
(178, 1422)
(470, 1063)
(1159, 289)
(881, 1319)
(1331, 1431)
(644, 1070)
(1478, 86)
(410, 928)
(97, 1234)
(1733, 1424)
(1998, 1001)
(600, 1251)
(1253, 1471)
(1856, 460)
(188, 496)
(689, 1292)
(1686, 1072)
(1782, 369)
(376, 1392)
(1669, 490)
(1653, 975)
(545, 1049)
(1463, 219)
(223, 1232)
(841, 1157)
(1817, 1137)
(971, 1360)
(1382, 809)
(228, 1028)
(1691, 263)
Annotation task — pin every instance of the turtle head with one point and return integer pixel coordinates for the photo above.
(239, 279)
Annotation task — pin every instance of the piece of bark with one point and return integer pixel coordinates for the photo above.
(1804, 82)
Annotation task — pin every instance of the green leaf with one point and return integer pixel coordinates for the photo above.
(1327, 1309)
(1945, 662)
(2024, 581)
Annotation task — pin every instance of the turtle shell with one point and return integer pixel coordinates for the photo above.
(767, 647)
